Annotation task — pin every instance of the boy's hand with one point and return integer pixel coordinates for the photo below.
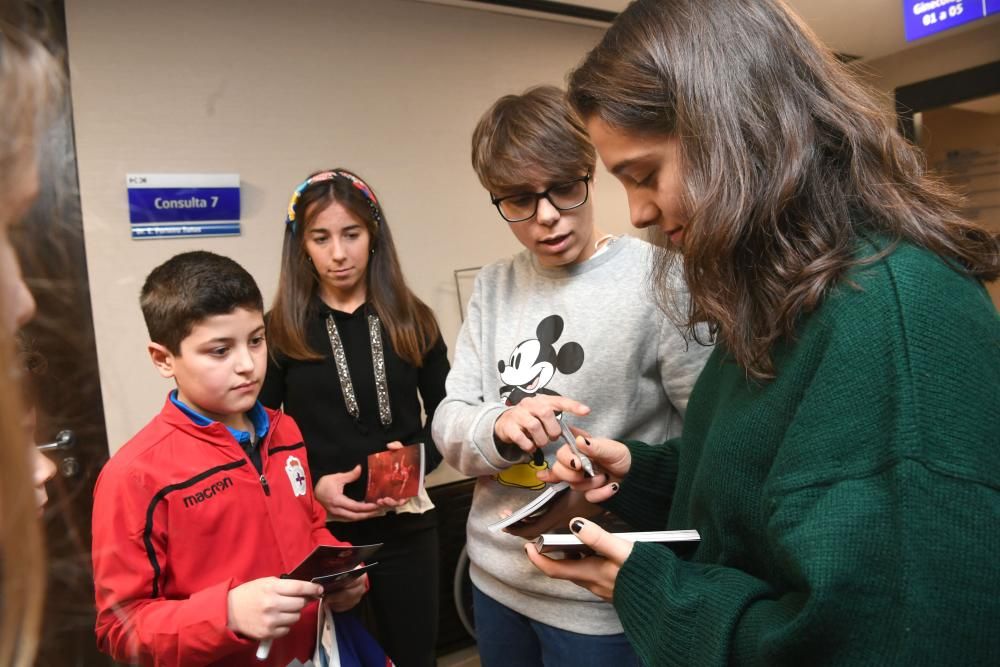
(329, 491)
(267, 608)
(532, 423)
(347, 597)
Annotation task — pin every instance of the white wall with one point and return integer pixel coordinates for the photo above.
(274, 90)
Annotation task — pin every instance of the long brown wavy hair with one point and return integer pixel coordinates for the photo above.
(30, 86)
(410, 323)
(787, 162)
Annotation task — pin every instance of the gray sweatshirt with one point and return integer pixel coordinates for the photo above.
(590, 332)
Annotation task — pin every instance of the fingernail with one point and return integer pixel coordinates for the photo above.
(573, 464)
(614, 487)
(576, 526)
(586, 441)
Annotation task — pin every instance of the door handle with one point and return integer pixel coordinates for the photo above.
(65, 440)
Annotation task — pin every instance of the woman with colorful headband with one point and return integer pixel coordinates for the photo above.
(353, 354)
(840, 451)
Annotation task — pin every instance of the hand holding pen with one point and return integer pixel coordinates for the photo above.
(338, 597)
(585, 463)
(610, 460)
(266, 608)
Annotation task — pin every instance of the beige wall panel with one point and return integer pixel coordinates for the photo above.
(273, 90)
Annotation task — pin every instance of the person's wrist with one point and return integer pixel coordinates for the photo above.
(507, 450)
(231, 623)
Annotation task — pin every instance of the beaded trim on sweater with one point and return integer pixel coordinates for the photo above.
(344, 373)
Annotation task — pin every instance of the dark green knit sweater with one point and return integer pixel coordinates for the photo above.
(849, 509)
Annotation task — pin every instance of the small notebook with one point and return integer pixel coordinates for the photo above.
(538, 505)
(395, 473)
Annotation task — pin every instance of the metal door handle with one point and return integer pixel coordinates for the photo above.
(65, 439)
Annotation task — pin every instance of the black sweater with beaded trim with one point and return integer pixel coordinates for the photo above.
(310, 392)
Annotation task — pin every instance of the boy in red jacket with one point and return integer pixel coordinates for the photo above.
(199, 512)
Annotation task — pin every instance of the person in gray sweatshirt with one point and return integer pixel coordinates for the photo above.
(565, 330)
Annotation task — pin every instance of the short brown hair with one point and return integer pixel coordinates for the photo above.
(190, 287)
(537, 130)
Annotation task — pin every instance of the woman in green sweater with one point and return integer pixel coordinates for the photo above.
(841, 451)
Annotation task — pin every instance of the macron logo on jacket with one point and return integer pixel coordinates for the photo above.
(208, 492)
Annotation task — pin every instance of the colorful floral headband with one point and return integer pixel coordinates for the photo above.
(329, 176)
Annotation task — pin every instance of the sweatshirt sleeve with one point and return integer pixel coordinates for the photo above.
(431, 378)
(646, 492)
(463, 422)
(135, 623)
(856, 582)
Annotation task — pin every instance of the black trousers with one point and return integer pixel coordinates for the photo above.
(401, 609)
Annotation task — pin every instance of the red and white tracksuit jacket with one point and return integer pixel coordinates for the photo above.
(181, 516)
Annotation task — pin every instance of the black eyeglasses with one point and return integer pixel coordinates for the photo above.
(564, 196)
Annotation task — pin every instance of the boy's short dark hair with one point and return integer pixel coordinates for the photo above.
(537, 131)
(189, 287)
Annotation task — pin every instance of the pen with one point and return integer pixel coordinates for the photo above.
(585, 463)
(263, 649)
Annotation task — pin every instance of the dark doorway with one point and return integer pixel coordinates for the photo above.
(955, 119)
(60, 342)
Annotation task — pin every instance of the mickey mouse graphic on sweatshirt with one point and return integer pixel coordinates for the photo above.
(528, 370)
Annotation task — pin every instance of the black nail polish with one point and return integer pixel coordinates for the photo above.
(576, 526)
(614, 487)
(586, 441)
(573, 464)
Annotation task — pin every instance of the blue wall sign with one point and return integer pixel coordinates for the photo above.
(171, 205)
(927, 17)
